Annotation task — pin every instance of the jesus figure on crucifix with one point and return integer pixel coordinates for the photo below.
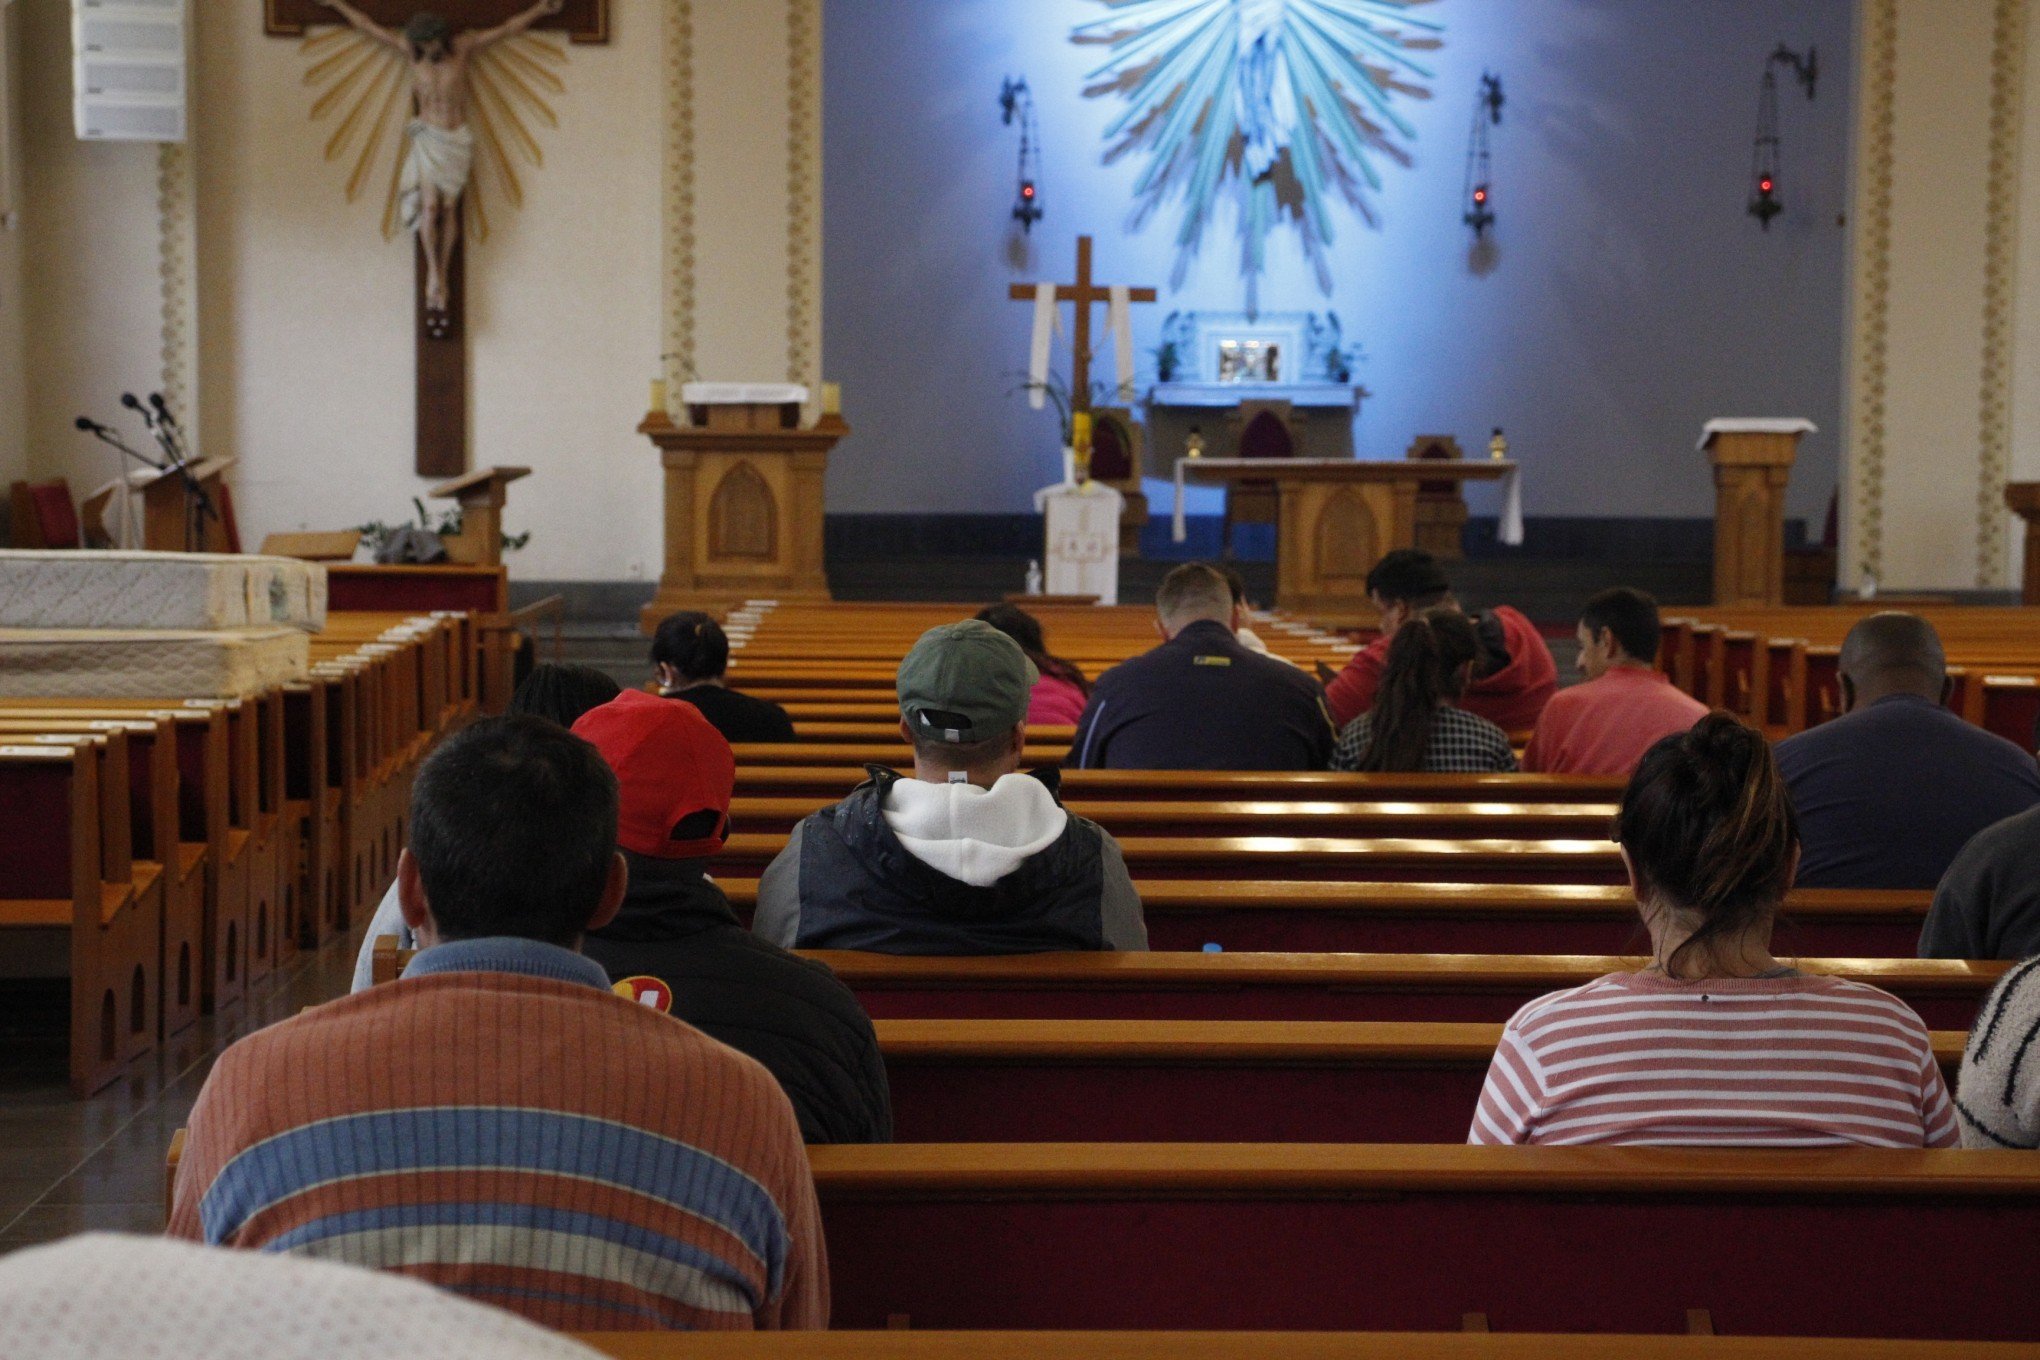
(439, 146)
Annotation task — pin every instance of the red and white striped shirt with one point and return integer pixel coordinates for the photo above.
(1795, 1061)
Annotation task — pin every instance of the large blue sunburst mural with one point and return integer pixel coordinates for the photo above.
(1284, 106)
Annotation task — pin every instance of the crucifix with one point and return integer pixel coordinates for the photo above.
(457, 63)
(1085, 294)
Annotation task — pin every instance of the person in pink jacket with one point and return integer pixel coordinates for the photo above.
(1060, 695)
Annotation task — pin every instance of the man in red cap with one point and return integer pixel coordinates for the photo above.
(677, 946)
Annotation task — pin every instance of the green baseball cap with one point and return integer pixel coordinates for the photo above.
(965, 682)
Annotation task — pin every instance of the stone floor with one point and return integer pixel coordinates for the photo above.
(70, 1165)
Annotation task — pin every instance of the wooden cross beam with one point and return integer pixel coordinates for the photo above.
(1084, 293)
(583, 21)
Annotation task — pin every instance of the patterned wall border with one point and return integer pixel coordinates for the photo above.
(679, 196)
(803, 191)
(2000, 285)
(1870, 362)
(177, 271)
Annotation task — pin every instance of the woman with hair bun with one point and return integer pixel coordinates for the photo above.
(1416, 725)
(691, 657)
(1716, 1040)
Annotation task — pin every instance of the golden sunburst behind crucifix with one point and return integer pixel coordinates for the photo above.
(363, 91)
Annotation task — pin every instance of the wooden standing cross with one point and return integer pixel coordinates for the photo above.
(1084, 293)
(442, 421)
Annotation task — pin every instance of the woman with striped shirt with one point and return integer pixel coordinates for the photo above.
(1717, 1041)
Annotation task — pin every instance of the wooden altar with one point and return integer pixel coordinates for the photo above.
(1335, 519)
(743, 505)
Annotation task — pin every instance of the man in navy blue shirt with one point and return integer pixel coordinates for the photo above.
(1202, 700)
(1888, 793)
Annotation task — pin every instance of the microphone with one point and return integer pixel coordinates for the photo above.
(134, 403)
(108, 436)
(163, 410)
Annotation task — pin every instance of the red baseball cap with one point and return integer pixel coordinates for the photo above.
(675, 772)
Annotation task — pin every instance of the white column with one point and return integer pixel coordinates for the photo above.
(1933, 282)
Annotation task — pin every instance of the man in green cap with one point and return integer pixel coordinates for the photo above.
(969, 856)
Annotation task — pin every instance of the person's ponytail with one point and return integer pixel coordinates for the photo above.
(1710, 829)
(1425, 668)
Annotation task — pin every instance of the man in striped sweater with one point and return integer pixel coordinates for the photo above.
(499, 1122)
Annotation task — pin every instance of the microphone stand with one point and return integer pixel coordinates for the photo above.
(168, 438)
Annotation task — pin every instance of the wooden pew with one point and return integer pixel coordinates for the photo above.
(1473, 1344)
(1276, 916)
(205, 768)
(1192, 1081)
(1464, 987)
(1240, 858)
(313, 802)
(831, 780)
(157, 847)
(853, 756)
(1273, 917)
(1433, 1191)
(1328, 1236)
(74, 904)
(1271, 817)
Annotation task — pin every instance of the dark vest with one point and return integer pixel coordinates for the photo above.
(861, 889)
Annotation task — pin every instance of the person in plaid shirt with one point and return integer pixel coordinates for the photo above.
(1414, 725)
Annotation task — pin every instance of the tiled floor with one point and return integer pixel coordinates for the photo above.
(69, 1165)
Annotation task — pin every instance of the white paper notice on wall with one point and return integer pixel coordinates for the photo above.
(128, 70)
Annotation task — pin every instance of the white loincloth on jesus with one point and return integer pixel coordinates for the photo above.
(441, 157)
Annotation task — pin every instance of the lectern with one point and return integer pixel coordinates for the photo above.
(172, 519)
(743, 498)
(1753, 460)
(482, 495)
(2023, 498)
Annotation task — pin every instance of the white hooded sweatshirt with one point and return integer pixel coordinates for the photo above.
(975, 835)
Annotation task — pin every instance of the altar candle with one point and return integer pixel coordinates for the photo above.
(658, 394)
(832, 399)
(1080, 431)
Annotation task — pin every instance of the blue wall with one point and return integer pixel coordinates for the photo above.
(1630, 298)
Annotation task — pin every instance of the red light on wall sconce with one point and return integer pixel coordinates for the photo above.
(1016, 104)
(1487, 112)
(1764, 202)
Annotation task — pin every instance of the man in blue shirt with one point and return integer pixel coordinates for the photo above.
(1202, 700)
(1888, 793)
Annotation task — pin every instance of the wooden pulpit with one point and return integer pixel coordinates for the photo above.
(172, 517)
(482, 495)
(744, 498)
(2023, 498)
(1752, 465)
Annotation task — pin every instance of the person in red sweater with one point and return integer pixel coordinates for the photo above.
(1626, 705)
(1511, 683)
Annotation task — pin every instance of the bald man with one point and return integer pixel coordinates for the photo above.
(1889, 792)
